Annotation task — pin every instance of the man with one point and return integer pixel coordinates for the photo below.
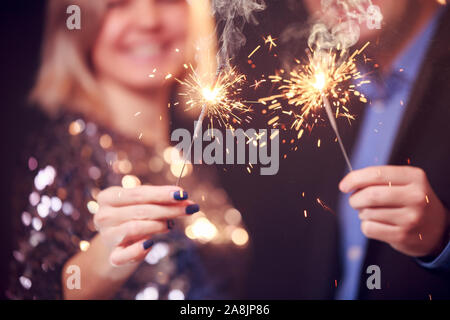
(396, 204)
(395, 224)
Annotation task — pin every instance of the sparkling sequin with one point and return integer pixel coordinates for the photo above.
(84, 245)
(44, 178)
(67, 208)
(34, 198)
(36, 223)
(158, 252)
(72, 160)
(32, 163)
(176, 295)
(25, 282)
(26, 218)
(56, 204)
(92, 207)
(149, 293)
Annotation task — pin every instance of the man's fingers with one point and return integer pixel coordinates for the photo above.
(380, 196)
(383, 175)
(380, 231)
(394, 216)
(117, 196)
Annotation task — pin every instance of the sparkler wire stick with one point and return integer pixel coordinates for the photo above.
(196, 132)
(333, 123)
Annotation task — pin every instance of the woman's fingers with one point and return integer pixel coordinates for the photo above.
(126, 217)
(130, 254)
(133, 231)
(380, 196)
(383, 175)
(117, 196)
(113, 216)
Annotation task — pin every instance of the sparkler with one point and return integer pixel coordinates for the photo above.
(217, 101)
(327, 79)
(326, 103)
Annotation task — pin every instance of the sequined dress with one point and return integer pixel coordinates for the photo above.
(68, 163)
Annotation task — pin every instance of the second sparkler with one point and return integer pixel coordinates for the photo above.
(327, 80)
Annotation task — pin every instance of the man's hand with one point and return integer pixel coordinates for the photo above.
(397, 205)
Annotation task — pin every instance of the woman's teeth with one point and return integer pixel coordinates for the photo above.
(146, 51)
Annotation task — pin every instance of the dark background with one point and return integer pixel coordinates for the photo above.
(20, 29)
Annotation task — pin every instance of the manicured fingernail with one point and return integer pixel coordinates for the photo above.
(180, 195)
(147, 244)
(193, 208)
(170, 224)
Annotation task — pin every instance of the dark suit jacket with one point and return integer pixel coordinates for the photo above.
(296, 257)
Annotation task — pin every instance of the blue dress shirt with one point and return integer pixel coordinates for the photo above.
(389, 97)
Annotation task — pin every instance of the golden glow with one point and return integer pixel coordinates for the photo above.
(326, 73)
(84, 245)
(177, 167)
(76, 127)
(239, 237)
(202, 229)
(105, 141)
(125, 166)
(129, 182)
(221, 99)
(172, 155)
(320, 81)
(92, 207)
(210, 94)
(189, 233)
(233, 217)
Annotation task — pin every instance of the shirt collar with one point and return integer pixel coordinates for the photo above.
(405, 68)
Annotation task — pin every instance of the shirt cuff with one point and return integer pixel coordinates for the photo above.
(442, 262)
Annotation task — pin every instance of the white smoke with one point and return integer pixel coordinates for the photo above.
(340, 25)
(234, 14)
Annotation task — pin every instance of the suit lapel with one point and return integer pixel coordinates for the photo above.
(421, 87)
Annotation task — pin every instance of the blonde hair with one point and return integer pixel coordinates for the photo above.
(66, 78)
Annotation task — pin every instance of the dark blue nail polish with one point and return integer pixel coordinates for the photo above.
(147, 244)
(180, 195)
(193, 208)
(170, 224)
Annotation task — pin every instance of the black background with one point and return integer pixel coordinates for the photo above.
(21, 30)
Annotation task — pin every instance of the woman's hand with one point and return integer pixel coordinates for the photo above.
(128, 218)
(397, 205)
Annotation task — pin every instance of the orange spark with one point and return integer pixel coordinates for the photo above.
(271, 41)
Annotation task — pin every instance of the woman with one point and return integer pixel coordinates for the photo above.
(104, 164)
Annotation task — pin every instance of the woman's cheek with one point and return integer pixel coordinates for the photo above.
(176, 22)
